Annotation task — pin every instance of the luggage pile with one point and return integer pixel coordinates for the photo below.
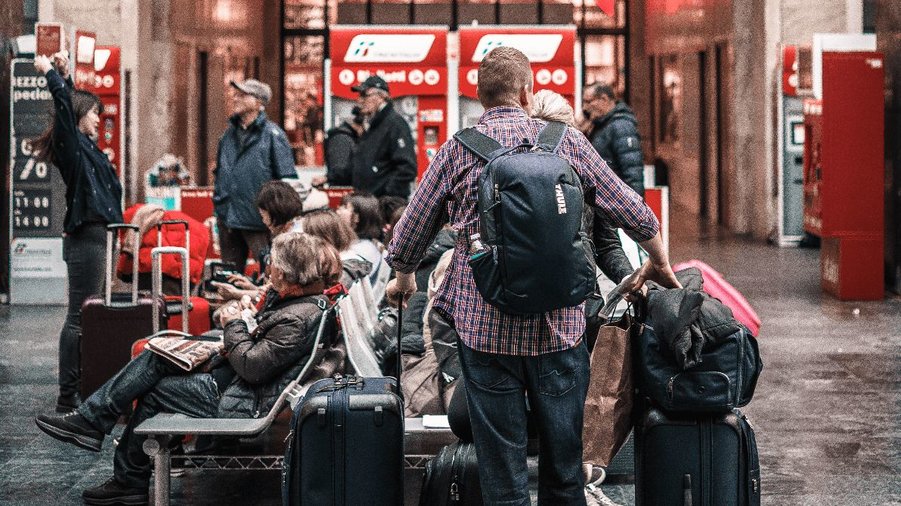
(694, 366)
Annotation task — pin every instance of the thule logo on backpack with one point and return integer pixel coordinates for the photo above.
(561, 200)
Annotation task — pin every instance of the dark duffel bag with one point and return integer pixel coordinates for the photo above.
(725, 378)
(684, 460)
(452, 478)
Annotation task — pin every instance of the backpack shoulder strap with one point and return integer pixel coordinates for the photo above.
(479, 144)
(551, 136)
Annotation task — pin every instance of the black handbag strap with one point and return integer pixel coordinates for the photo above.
(551, 136)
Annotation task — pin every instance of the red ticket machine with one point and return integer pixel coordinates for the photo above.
(550, 49)
(844, 174)
(107, 86)
(412, 60)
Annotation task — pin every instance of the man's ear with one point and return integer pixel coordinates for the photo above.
(525, 99)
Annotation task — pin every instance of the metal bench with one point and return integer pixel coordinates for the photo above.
(161, 428)
(358, 314)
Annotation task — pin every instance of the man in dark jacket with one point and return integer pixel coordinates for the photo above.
(384, 161)
(340, 142)
(613, 131)
(244, 383)
(252, 150)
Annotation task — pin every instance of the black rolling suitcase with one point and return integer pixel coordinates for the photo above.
(452, 478)
(111, 322)
(346, 445)
(691, 460)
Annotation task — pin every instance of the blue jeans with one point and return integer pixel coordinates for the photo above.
(497, 387)
(85, 254)
(159, 386)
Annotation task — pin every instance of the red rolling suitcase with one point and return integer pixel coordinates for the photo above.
(199, 320)
(110, 323)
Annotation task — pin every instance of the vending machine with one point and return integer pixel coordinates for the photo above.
(550, 49)
(844, 170)
(412, 60)
(790, 139)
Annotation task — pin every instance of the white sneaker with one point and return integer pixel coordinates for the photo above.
(594, 496)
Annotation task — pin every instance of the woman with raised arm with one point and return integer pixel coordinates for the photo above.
(93, 200)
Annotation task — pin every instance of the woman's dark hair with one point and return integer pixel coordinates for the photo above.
(369, 214)
(82, 103)
(281, 201)
(327, 225)
(390, 205)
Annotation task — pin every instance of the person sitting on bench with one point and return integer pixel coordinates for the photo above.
(243, 383)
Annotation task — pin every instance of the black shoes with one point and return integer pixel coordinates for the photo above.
(68, 403)
(113, 492)
(71, 428)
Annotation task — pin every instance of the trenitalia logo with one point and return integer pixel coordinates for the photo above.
(538, 47)
(389, 48)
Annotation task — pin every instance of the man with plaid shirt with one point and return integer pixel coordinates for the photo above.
(505, 357)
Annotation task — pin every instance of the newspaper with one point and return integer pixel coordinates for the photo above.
(186, 353)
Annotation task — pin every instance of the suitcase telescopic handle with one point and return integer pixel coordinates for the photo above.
(108, 268)
(183, 223)
(156, 255)
(400, 329)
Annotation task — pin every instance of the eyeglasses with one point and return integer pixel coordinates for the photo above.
(367, 94)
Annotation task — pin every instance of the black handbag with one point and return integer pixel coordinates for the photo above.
(725, 378)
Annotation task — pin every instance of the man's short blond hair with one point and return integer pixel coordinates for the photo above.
(503, 73)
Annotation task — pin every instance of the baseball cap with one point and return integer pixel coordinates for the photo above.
(371, 82)
(254, 88)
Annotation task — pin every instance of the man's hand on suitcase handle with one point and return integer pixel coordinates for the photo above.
(401, 288)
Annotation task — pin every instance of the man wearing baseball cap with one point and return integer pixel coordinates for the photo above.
(252, 150)
(383, 161)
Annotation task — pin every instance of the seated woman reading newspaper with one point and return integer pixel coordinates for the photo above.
(243, 382)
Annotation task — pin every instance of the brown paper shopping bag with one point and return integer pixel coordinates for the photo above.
(608, 406)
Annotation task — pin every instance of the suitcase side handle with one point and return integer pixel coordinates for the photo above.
(108, 268)
(156, 255)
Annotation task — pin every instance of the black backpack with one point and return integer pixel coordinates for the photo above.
(536, 257)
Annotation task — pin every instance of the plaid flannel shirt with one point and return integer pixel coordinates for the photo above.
(448, 193)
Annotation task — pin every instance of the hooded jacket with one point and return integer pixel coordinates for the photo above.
(615, 137)
(242, 168)
(339, 148)
(271, 356)
(384, 161)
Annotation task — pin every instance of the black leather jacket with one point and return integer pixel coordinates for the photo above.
(268, 358)
(93, 192)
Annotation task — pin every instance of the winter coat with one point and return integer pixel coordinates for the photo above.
(384, 161)
(615, 137)
(339, 148)
(445, 240)
(271, 356)
(241, 170)
(93, 192)
(173, 235)
(687, 319)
